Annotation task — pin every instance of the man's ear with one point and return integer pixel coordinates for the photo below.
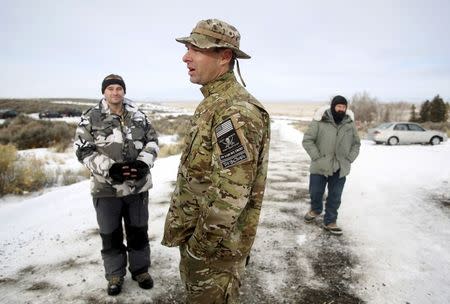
(227, 55)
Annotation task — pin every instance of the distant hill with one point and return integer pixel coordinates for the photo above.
(34, 105)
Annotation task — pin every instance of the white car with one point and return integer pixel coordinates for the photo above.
(393, 133)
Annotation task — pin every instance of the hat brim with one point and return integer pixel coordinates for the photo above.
(205, 42)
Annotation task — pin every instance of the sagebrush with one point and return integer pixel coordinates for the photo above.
(27, 133)
(18, 176)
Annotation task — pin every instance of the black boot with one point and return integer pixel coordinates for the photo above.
(144, 280)
(114, 285)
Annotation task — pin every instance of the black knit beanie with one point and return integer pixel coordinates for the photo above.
(109, 81)
(338, 99)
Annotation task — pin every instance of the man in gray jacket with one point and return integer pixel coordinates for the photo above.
(333, 143)
(118, 145)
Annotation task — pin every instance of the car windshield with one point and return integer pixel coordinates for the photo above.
(384, 125)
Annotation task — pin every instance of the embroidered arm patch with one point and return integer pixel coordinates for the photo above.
(230, 143)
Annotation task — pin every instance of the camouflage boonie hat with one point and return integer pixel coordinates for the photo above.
(212, 33)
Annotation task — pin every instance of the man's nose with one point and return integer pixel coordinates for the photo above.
(187, 57)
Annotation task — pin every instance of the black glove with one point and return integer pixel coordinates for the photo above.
(138, 169)
(117, 172)
(134, 170)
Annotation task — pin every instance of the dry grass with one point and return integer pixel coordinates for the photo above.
(171, 149)
(70, 177)
(36, 105)
(27, 133)
(172, 125)
(302, 126)
(19, 176)
(441, 126)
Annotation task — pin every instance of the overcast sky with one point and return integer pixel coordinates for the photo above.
(301, 50)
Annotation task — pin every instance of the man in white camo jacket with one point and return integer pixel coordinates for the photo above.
(118, 145)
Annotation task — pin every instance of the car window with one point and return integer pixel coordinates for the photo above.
(384, 125)
(414, 127)
(401, 127)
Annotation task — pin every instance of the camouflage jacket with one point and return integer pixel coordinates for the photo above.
(103, 138)
(216, 203)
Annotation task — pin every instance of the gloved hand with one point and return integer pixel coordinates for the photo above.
(138, 169)
(85, 150)
(134, 170)
(116, 172)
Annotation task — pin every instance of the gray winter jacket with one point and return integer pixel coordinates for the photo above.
(329, 144)
(103, 139)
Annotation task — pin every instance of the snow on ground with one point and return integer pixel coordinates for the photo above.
(162, 110)
(167, 139)
(290, 118)
(69, 120)
(71, 102)
(157, 107)
(399, 227)
(154, 110)
(50, 247)
(54, 161)
(395, 212)
(394, 249)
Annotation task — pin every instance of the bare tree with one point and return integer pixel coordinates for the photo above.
(365, 107)
(398, 111)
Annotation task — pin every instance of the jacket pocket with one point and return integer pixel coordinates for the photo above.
(321, 165)
(102, 134)
(137, 133)
(321, 162)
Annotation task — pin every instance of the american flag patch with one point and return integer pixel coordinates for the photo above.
(224, 127)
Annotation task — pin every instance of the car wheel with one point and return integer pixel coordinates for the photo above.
(393, 141)
(435, 140)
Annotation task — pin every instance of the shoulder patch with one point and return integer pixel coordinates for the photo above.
(233, 152)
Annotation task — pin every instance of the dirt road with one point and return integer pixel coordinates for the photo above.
(295, 262)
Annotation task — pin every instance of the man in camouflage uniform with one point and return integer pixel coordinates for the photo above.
(215, 207)
(118, 145)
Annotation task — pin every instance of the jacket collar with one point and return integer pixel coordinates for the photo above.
(129, 105)
(218, 85)
(325, 113)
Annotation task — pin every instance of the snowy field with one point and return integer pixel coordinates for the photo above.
(396, 209)
(395, 215)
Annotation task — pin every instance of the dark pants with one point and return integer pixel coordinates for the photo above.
(317, 185)
(134, 211)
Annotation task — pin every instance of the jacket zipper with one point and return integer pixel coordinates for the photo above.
(190, 146)
(122, 124)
